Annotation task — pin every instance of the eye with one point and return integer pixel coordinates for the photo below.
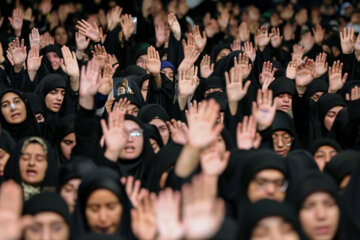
(4, 105)
(53, 91)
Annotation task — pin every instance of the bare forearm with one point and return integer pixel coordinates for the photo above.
(188, 160)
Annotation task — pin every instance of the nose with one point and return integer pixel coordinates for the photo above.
(32, 162)
(59, 96)
(270, 189)
(320, 212)
(46, 234)
(286, 98)
(280, 142)
(102, 215)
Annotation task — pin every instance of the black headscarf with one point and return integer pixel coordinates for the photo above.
(27, 128)
(12, 168)
(6, 142)
(318, 85)
(220, 98)
(47, 84)
(217, 49)
(343, 164)
(35, 102)
(130, 97)
(282, 85)
(268, 208)
(326, 102)
(213, 82)
(152, 111)
(47, 202)
(64, 126)
(101, 178)
(153, 133)
(324, 142)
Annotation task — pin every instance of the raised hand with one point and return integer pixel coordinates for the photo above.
(69, 64)
(249, 50)
(100, 55)
(46, 39)
(2, 57)
(212, 164)
(223, 19)
(89, 30)
(298, 52)
(244, 32)
(275, 37)
(133, 190)
(191, 54)
(235, 90)
(246, 135)
(34, 38)
(81, 42)
(114, 134)
(336, 79)
(33, 62)
(113, 17)
(178, 131)
(188, 82)
(11, 222)
(160, 34)
(174, 26)
(153, 62)
(319, 34)
(202, 124)
(107, 79)
(202, 212)
(305, 74)
(243, 64)
(264, 110)
(236, 45)
(267, 74)
(143, 218)
(200, 40)
(354, 95)
(127, 26)
(262, 38)
(89, 80)
(168, 214)
(16, 20)
(206, 67)
(18, 53)
(347, 40)
(321, 65)
(291, 69)
(307, 41)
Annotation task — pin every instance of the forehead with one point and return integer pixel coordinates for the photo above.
(9, 95)
(326, 148)
(281, 95)
(269, 174)
(280, 132)
(157, 122)
(271, 221)
(129, 124)
(336, 109)
(34, 147)
(48, 217)
(102, 196)
(319, 196)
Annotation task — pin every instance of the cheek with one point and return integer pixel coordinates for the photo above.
(328, 122)
(139, 145)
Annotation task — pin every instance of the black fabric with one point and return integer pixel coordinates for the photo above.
(326, 102)
(12, 168)
(152, 111)
(217, 49)
(35, 102)
(343, 164)
(6, 141)
(47, 202)
(213, 82)
(64, 127)
(268, 208)
(324, 142)
(153, 133)
(220, 98)
(130, 97)
(318, 85)
(27, 128)
(282, 85)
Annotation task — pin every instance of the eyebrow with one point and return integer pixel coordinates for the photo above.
(14, 98)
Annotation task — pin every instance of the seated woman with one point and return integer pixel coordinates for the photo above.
(268, 219)
(16, 115)
(33, 166)
(51, 218)
(102, 193)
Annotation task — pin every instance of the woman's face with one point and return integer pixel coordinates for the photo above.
(54, 60)
(103, 211)
(331, 115)
(13, 108)
(144, 89)
(319, 216)
(169, 73)
(33, 164)
(67, 144)
(135, 141)
(154, 145)
(61, 37)
(132, 110)
(282, 141)
(323, 156)
(69, 192)
(4, 157)
(47, 225)
(223, 53)
(54, 99)
(274, 227)
(163, 129)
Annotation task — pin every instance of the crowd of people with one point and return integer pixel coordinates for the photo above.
(181, 119)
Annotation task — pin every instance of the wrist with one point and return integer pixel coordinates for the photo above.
(18, 67)
(18, 33)
(112, 154)
(300, 90)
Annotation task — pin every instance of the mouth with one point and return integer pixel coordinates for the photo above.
(129, 149)
(104, 229)
(322, 230)
(280, 152)
(31, 173)
(57, 105)
(15, 115)
(285, 107)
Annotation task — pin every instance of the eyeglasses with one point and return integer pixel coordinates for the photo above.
(287, 139)
(136, 132)
(281, 185)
